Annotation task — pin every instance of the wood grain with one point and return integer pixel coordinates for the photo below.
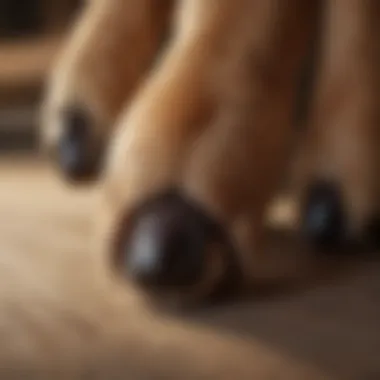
(61, 318)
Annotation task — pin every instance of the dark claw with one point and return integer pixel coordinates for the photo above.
(166, 246)
(323, 219)
(168, 243)
(78, 154)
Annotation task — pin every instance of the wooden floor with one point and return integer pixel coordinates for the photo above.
(60, 318)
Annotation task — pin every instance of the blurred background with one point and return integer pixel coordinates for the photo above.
(30, 36)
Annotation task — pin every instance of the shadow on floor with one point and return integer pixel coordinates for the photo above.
(327, 314)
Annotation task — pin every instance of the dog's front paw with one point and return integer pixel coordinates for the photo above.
(197, 157)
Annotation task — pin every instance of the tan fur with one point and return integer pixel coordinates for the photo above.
(112, 45)
(344, 135)
(214, 118)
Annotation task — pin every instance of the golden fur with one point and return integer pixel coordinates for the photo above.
(343, 138)
(215, 116)
(212, 115)
(224, 82)
(112, 46)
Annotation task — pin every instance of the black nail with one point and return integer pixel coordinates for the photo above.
(78, 151)
(166, 244)
(323, 218)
